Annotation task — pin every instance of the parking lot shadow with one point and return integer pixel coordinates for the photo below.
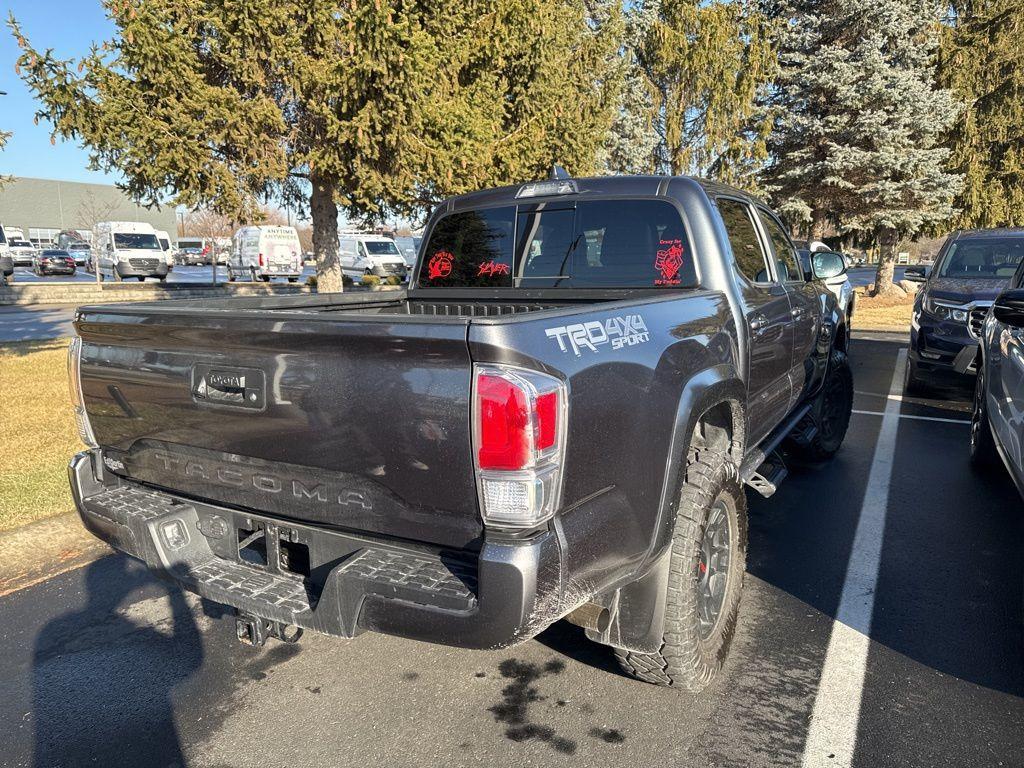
(93, 702)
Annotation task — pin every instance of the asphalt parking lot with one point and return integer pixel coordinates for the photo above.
(880, 626)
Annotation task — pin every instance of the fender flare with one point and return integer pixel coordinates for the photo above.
(638, 608)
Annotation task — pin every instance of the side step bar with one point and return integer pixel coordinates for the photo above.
(769, 476)
(764, 469)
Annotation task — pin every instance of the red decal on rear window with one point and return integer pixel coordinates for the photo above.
(493, 268)
(440, 265)
(668, 262)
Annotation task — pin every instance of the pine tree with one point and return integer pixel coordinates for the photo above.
(858, 121)
(707, 62)
(377, 107)
(980, 61)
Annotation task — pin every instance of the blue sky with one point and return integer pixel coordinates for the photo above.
(69, 27)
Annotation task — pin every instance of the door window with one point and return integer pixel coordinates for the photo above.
(746, 245)
(787, 264)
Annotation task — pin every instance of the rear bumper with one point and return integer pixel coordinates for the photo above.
(505, 595)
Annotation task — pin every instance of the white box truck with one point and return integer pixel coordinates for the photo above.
(128, 249)
(265, 251)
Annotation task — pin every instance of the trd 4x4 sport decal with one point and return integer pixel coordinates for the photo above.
(668, 261)
(440, 265)
(619, 332)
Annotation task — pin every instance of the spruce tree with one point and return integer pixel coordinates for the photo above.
(858, 121)
(706, 62)
(980, 61)
(378, 107)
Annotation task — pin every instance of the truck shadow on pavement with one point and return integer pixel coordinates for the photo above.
(93, 703)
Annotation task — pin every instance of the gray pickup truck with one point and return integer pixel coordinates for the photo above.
(555, 420)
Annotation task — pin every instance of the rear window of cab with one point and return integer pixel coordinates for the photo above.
(561, 244)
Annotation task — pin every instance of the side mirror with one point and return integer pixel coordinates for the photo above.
(1009, 308)
(916, 274)
(826, 265)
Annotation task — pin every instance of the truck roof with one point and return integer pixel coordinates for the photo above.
(593, 185)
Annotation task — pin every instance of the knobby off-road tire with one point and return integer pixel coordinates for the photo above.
(830, 412)
(982, 445)
(693, 652)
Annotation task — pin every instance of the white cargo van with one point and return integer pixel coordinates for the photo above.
(128, 249)
(363, 254)
(165, 245)
(266, 251)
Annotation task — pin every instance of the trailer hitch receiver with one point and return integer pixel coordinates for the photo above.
(254, 630)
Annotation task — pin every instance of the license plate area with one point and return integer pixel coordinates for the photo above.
(276, 548)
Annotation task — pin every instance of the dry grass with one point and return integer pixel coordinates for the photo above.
(882, 313)
(37, 432)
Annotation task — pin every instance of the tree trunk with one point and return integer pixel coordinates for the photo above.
(817, 224)
(325, 234)
(884, 286)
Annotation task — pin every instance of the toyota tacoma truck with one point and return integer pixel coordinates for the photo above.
(556, 419)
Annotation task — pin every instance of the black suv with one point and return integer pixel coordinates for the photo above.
(972, 268)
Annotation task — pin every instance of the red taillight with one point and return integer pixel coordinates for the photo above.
(519, 439)
(505, 423)
(546, 407)
(261, 259)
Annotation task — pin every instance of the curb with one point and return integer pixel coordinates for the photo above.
(90, 293)
(34, 553)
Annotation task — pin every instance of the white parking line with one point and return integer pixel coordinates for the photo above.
(912, 416)
(832, 735)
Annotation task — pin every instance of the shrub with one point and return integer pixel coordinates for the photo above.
(369, 280)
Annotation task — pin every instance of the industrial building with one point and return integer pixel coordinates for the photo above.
(41, 208)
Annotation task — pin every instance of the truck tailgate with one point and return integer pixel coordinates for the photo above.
(361, 423)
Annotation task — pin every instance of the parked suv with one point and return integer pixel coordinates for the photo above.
(997, 421)
(972, 268)
(580, 381)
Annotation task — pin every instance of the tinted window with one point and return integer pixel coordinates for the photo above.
(786, 263)
(602, 243)
(632, 244)
(994, 258)
(471, 249)
(746, 245)
(545, 246)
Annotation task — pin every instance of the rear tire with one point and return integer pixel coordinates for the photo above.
(695, 643)
(830, 412)
(982, 445)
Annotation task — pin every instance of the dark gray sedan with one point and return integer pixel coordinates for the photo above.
(997, 422)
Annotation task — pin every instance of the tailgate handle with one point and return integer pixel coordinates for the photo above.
(233, 388)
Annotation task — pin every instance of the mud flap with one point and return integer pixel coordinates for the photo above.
(637, 611)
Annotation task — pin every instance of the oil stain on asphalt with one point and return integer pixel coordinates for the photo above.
(519, 694)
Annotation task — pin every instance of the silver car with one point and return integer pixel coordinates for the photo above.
(997, 420)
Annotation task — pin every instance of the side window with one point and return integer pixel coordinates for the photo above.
(632, 244)
(786, 262)
(471, 249)
(546, 239)
(746, 245)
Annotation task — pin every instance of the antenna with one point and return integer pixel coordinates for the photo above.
(558, 172)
